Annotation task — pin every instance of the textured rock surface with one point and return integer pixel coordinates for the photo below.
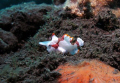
(8, 41)
(25, 25)
(107, 20)
(22, 22)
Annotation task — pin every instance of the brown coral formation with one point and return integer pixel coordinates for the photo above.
(8, 41)
(88, 72)
(89, 7)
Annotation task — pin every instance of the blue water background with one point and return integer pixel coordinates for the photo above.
(8, 3)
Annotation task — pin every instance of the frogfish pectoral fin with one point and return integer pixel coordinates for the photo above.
(50, 49)
(76, 50)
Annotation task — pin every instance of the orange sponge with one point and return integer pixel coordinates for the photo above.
(88, 72)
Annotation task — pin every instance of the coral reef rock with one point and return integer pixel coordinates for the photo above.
(89, 8)
(7, 41)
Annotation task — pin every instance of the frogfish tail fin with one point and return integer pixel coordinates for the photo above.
(45, 43)
(76, 50)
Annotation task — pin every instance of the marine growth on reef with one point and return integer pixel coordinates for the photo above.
(88, 8)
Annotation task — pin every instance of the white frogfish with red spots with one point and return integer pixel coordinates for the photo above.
(63, 44)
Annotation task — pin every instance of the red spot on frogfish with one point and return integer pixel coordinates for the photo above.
(55, 46)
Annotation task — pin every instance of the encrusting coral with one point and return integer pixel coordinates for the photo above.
(88, 72)
(88, 8)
